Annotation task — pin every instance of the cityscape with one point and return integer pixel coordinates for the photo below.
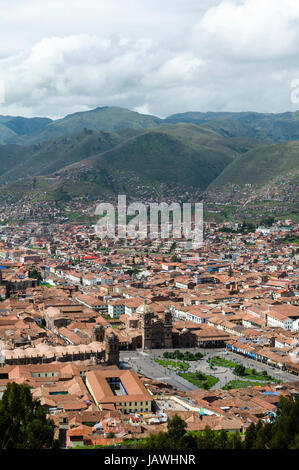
(149, 229)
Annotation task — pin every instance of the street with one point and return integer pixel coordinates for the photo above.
(143, 363)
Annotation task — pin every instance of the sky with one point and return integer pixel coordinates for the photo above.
(155, 57)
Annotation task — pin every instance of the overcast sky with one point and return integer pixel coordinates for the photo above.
(154, 56)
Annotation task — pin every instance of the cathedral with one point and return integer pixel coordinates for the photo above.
(149, 330)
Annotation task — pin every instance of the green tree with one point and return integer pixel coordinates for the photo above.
(176, 428)
(23, 421)
(156, 441)
(235, 441)
(280, 432)
(222, 439)
(198, 356)
(205, 385)
(239, 370)
(35, 274)
(250, 436)
(200, 376)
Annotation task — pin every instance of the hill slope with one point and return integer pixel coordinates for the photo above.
(182, 155)
(259, 126)
(276, 127)
(15, 129)
(99, 119)
(47, 157)
(261, 165)
(144, 153)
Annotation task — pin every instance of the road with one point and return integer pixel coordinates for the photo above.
(143, 363)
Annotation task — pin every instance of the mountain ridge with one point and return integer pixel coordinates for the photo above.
(113, 149)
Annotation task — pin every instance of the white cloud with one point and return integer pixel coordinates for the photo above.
(155, 57)
(251, 30)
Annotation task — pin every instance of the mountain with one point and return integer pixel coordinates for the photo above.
(47, 157)
(111, 150)
(7, 135)
(99, 119)
(257, 126)
(160, 156)
(180, 155)
(270, 127)
(27, 131)
(15, 129)
(261, 165)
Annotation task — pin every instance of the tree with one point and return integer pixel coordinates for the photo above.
(188, 356)
(267, 221)
(222, 439)
(239, 370)
(250, 436)
(207, 439)
(280, 433)
(235, 441)
(178, 355)
(200, 376)
(176, 428)
(35, 274)
(187, 442)
(23, 421)
(132, 271)
(198, 356)
(156, 441)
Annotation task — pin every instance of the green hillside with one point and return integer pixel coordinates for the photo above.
(110, 149)
(47, 157)
(99, 119)
(281, 127)
(27, 126)
(7, 136)
(276, 127)
(180, 154)
(200, 135)
(89, 162)
(16, 129)
(261, 165)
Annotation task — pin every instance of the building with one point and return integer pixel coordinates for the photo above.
(118, 389)
(156, 332)
(116, 308)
